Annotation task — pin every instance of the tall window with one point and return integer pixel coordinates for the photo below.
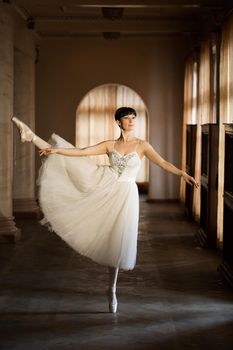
(206, 103)
(226, 109)
(208, 81)
(199, 104)
(190, 109)
(95, 119)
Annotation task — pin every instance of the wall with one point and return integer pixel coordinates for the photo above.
(153, 67)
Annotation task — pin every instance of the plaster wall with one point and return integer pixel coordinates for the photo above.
(154, 67)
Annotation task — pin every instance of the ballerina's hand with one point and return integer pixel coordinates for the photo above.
(190, 180)
(47, 151)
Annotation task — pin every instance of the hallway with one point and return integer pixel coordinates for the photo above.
(52, 298)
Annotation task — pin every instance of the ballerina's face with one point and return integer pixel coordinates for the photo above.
(127, 122)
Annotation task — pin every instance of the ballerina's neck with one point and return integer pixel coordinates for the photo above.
(123, 139)
(126, 136)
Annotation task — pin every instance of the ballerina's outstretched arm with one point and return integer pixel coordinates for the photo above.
(98, 149)
(152, 155)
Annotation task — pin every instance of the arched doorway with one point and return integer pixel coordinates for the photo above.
(95, 119)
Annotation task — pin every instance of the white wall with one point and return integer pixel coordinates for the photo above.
(153, 67)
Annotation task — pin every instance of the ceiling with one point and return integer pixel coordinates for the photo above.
(111, 19)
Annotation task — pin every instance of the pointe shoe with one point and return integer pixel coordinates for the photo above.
(112, 300)
(26, 133)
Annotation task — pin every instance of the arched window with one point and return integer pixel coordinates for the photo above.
(95, 119)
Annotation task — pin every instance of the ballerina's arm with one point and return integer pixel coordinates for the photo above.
(99, 148)
(152, 155)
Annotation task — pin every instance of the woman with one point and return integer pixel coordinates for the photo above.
(95, 208)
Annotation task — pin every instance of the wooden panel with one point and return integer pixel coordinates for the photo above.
(226, 268)
(207, 234)
(190, 165)
(228, 200)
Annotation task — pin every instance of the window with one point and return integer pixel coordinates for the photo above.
(226, 109)
(95, 119)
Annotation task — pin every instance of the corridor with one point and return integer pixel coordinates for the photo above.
(52, 298)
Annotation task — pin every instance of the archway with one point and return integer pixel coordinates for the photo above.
(95, 119)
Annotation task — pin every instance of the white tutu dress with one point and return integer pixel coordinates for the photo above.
(93, 208)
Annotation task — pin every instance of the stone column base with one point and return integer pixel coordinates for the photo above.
(26, 208)
(8, 230)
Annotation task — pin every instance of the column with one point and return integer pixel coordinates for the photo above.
(7, 225)
(24, 203)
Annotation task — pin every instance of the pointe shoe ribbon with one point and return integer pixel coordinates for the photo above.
(26, 133)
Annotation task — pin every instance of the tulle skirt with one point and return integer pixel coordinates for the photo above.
(89, 208)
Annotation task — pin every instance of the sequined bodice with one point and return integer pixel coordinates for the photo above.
(126, 166)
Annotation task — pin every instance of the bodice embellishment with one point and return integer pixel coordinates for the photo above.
(120, 161)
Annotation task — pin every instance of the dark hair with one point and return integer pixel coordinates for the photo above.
(123, 111)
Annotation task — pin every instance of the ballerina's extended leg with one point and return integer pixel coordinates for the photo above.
(28, 135)
(111, 292)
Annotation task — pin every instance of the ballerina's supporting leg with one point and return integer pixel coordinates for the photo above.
(28, 135)
(111, 292)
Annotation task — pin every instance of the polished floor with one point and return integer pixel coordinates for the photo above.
(52, 298)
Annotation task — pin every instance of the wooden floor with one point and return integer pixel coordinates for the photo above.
(174, 299)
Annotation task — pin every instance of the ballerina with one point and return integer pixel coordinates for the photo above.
(95, 209)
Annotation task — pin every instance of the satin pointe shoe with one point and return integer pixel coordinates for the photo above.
(112, 300)
(26, 133)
